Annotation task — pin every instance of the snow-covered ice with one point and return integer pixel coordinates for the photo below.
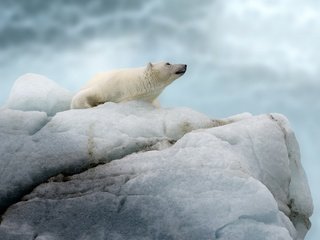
(132, 171)
(36, 147)
(34, 92)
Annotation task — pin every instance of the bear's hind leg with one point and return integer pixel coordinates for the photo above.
(156, 103)
(84, 99)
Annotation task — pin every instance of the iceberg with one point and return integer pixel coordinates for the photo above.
(133, 171)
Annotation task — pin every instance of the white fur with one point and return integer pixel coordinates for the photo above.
(144, 83)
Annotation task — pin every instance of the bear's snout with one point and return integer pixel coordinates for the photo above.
(182, 70)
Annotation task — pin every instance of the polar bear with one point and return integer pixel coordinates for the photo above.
(143, 83)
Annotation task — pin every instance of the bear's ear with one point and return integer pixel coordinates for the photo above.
(149, 66)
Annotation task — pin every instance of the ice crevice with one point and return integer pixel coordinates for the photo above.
(42, 125)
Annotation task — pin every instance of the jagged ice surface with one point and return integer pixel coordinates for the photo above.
(132, 171)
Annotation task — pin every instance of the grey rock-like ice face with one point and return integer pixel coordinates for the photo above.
(178, 184)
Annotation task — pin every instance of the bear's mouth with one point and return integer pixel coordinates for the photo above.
(180, 71)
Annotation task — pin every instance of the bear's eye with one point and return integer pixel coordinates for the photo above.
(168, 64)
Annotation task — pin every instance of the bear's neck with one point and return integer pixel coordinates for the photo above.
(151, 82)
(149, 86)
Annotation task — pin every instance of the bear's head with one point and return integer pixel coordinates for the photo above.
(166, 72)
